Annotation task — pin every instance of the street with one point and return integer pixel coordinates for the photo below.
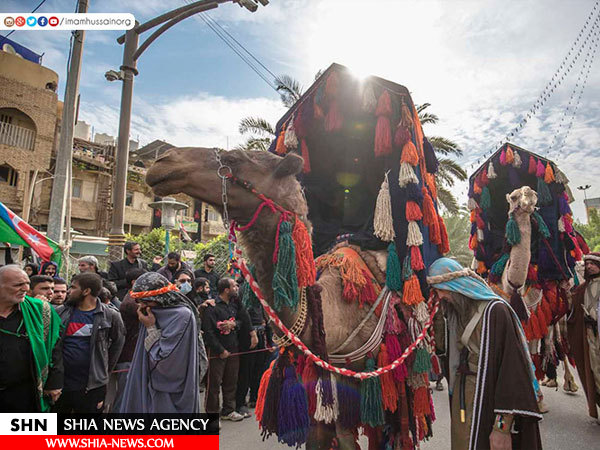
(567, 425)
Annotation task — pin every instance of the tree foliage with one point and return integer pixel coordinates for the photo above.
(153, 243)
(591, 230)
(217, 246)
(458, 228)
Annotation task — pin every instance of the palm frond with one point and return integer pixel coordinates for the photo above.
(422, 107)
(449, 167)
(447, 199)
(256, 125)
(428, 118)
(445, 146)
(255, 143)
(289, 89)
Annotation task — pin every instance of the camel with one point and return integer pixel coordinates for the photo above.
(522, 203)
(194, 171)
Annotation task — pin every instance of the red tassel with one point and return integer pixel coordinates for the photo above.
(435, 233)
(546, 310)
(367, 294)
(527, 330)
(479, 220)
(309, 379)
(406, 117)
(536, 331)
(444, 247)
(389, 393)
(542, 320)
(383, 136)
(280, 147)
(532, 273)
(262, 392)
(540, 169)
(402, 136)
(413, 211)
(484, 177)
(416, 260)
(582, 244)
(305, 156)
(532, 165)
(350, 292)
(421, 402)
(384, 104)
(409, 154)
(429, 214)
(333, 121)
(305, 266)
(411, 294)
(537, 362)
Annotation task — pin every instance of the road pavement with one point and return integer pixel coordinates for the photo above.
(566, 426)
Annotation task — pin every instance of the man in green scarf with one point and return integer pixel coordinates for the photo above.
(31, 370)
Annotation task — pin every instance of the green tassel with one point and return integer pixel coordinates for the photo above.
(513, 234)
(247, 295)
(407, 271)
(543, 192)
(371, 404)
(393, 273)
(285, 281)
(498, 267)
(542, 227)
(422, 362)
(486, 200)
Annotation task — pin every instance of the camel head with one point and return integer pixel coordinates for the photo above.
(522, 201)
(193, 171)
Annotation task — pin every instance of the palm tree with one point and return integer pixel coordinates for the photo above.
(458, 227)
(449, 171)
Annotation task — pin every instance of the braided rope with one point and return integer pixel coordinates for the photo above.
(241, 265)
(154, 293)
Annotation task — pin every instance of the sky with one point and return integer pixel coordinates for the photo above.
(482, 64)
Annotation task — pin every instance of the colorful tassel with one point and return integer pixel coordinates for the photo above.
(544, 195)
(540, 170)
(491, 173)
(395, 351)
(384, 104)
(383, 136)
(270, 412)
(407, 175)
(416, 260)
(285, 281)
(293, 421)
(369, 101)
(444, 246)
(409, 154)
(389, 393)
(532, 166)
(383, 222)
(348, 402)
(371, 407)
(421, 403)
(549, 174)
(262, 390)
(280, 148)
(411, 294)
(290, 140)
(327, 403)
(517, 163)
(413, 211)
(500, 265)
(561, 225)
(513, 233)
(481, 268)
(476, 188)
(393, 273)
(406, 117)
(503, 158)
(422, 362)
(305, 156)
(542, 227)
(414, 193)
(429, 214)
(510, 156)
(305, 267)
(401, 136)
(333, 120)
(473, 242)
(309, 379)
(486, 200)
(414, 235)
(532, 273)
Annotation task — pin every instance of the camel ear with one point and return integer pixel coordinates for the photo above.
(291, 164)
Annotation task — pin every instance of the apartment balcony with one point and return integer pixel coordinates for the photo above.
(16, 136)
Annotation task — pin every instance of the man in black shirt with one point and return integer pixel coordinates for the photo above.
(209, 272)
(118, 269)
(222, 325)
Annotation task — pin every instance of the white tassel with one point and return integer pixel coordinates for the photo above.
(561, 225)
(517, 162)
(491, 171)
(472, 204)
(474, 264)
(414, 236)
(479, 235)
(326, 414)
(383, 221)
(560, 177)
(407, 175)
(369, 101)
(421, 313)
(290, 140)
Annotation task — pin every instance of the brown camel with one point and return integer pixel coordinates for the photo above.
(194, 171)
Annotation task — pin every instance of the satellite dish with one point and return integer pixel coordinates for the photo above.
(9, 49)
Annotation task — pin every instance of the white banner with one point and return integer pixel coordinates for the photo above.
(66, 21)
(28, 423)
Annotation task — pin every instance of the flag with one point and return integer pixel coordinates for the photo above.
(15, 230)
(184, 235)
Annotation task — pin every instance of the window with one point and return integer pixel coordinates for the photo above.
(129, 198)
(212, 215)
(77, 188)
(17, 129)
(8, 175)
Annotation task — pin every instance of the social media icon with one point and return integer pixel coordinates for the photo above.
(53, 21)
(20, 21)
(31, 21)
(42, 21)
(9, 21)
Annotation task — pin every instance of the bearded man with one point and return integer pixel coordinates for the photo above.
(491, 382)
(582, 328)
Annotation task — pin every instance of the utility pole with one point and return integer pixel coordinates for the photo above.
(64, 155)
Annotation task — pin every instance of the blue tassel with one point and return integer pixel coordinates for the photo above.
(393, 275)
(543, 192)
(293, 421)
(486, 199)
(413, 193)
(513, 234)
(498, 267)
(563, 205)
(348, 403)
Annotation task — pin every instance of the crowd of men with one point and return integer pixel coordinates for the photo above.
(134, 339)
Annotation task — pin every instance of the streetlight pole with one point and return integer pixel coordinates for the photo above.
(128, 70)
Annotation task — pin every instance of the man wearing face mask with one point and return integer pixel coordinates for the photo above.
(184, 280)
(93, 338)
(583, 325)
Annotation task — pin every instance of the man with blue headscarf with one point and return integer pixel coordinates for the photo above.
(492, 387)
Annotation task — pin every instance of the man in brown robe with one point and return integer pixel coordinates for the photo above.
(582, 327)
(491, 382)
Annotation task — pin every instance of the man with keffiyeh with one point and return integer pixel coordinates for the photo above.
(491, 382)
(31, 370)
